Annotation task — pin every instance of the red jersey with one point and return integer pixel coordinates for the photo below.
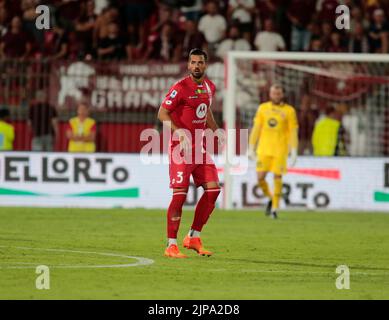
(189, 102)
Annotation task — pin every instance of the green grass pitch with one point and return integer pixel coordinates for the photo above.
(294, 257)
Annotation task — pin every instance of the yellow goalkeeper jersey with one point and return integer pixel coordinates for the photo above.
(275, 126)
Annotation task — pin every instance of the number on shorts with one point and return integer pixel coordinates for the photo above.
(180, 176)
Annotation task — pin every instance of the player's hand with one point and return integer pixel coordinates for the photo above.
(293, 157)
(185, 143)
(252, 154)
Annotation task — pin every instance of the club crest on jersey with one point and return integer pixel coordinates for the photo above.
(201, 111)
(272, 123)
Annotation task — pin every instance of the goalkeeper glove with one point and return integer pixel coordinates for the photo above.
(252, 154)
(293, 157)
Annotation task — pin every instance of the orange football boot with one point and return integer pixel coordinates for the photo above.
(172, 251)
(195, 244)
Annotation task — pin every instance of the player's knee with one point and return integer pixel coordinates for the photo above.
(179, 198)
(212, 194)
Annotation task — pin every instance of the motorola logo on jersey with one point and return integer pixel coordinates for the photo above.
(272, 123)
(201, 111)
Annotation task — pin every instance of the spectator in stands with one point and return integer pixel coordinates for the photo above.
(85, 25)
(167, 47)
(266, 9)
(133, 43)
(67, 13)
(327, 10)
(192, 38)
(213, 25)
(336, 43)
(299, 13)
(111, 47)
(137, 13)
(327, 137)
(326, 32)
(55, 43)
(15, 43)
(378, 33)
(192, 11)
(359, 41)
(43, 122)
(316, 45)
(81, 131)
(234, 41)
(108, 15)
(269, 40)
(357, 17)
(242, 11)
(29, 18)
(7, 131)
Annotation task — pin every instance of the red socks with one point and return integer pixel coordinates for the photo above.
(204, 208)
(174, 214)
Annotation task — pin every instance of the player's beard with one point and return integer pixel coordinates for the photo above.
(278, 102)
(197, 74)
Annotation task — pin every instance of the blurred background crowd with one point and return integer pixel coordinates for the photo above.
(164, 30)
(132, 32)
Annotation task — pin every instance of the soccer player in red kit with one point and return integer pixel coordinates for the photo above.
(187, 110)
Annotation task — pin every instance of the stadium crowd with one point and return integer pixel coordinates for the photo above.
(139, 31)
(164, 30)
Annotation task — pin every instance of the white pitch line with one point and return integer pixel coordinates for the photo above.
(141, 261)
(314, 272)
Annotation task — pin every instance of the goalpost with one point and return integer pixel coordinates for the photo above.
(357, 85)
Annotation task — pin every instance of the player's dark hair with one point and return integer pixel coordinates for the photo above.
(198, 52)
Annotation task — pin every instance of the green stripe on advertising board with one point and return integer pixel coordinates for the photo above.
(120, 193)
(12, 192)
(381, 196)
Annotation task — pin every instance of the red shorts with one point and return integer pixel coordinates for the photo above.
(201, 173)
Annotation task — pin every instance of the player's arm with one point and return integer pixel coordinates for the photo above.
(165, 118)
(211, 123)
(91, 137)
(255, 134)
(169, 104)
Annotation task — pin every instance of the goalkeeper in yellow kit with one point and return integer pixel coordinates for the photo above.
(273, 136)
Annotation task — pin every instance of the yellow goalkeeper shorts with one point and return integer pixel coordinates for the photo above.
(276, 165)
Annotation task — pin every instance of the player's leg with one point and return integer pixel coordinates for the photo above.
(205, 207)
(263, 167)
(179, 182)
(206, 176)
(278, 168)
(276, 196)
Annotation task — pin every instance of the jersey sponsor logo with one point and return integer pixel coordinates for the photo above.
(168, 102)
(272, 123)
(201, 111)
(173, 94)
